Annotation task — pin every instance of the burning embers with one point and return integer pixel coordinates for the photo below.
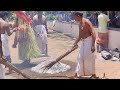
(58, 67)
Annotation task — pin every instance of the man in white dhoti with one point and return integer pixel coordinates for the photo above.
(4, 37)
(86, 57)
(40, 29)
(2, 74)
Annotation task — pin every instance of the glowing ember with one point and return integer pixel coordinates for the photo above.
(58, 67)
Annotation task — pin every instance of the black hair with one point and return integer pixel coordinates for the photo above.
(104, 12)
(95, 13)
(78, 14)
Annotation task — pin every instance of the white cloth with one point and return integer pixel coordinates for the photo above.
(2, 74)
(86, 59)
(5, 46)
(41, 37)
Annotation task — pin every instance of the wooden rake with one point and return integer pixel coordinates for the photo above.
(50, 65)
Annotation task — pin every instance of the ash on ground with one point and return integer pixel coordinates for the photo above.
(57, 68)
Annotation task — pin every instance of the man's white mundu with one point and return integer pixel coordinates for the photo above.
(86, 59)
(2, 73)
(41, 37)
(5, 46)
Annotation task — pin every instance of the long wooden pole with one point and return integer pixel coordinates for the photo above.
(7, 64)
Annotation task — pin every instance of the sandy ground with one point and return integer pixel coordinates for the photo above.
(58, 44)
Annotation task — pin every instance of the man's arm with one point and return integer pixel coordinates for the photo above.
(33, 23)
(108, 20)
(46, 24)
(78, 39)
(7, 28)
(1, 52)
(91, 29)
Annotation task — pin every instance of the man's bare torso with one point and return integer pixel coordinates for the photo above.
(38, 21)
(4, 25)
(84, 31)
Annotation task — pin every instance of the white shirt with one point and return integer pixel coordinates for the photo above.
(102, 23)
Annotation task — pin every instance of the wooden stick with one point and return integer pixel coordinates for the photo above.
(6, 63)
(59, 58)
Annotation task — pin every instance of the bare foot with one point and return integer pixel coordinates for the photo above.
(74, 76)
(94, 76)
(11, 71)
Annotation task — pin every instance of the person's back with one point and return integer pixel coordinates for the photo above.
(44, 21)
(40, 29)
(102, 23)
(35, 19)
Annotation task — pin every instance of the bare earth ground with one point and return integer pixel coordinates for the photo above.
(58, 44)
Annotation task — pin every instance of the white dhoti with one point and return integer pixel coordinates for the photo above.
(5, 47)
(86, 59)
(2, 74)
(41, 37)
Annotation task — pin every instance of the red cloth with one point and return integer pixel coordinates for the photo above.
(23, 16)
(102, 39)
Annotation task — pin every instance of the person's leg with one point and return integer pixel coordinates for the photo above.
(80, 65)
(15, 40)
(99, 48)
(79, 68)
(2, 74)
(106, 40)
(99, 42)
(44, 48)
(39, 43)
(6, 51)
(9, 60)
(89, 58)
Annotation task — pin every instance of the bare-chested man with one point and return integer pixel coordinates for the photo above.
(5, 28)
(40, 29)
(2, 74)
(86, 58)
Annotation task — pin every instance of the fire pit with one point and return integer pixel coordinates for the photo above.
(58, 67)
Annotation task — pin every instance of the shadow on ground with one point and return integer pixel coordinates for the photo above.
(26, 69)
(25, 65)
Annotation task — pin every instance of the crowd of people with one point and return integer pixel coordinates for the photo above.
(114, 19)
(93, 17)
